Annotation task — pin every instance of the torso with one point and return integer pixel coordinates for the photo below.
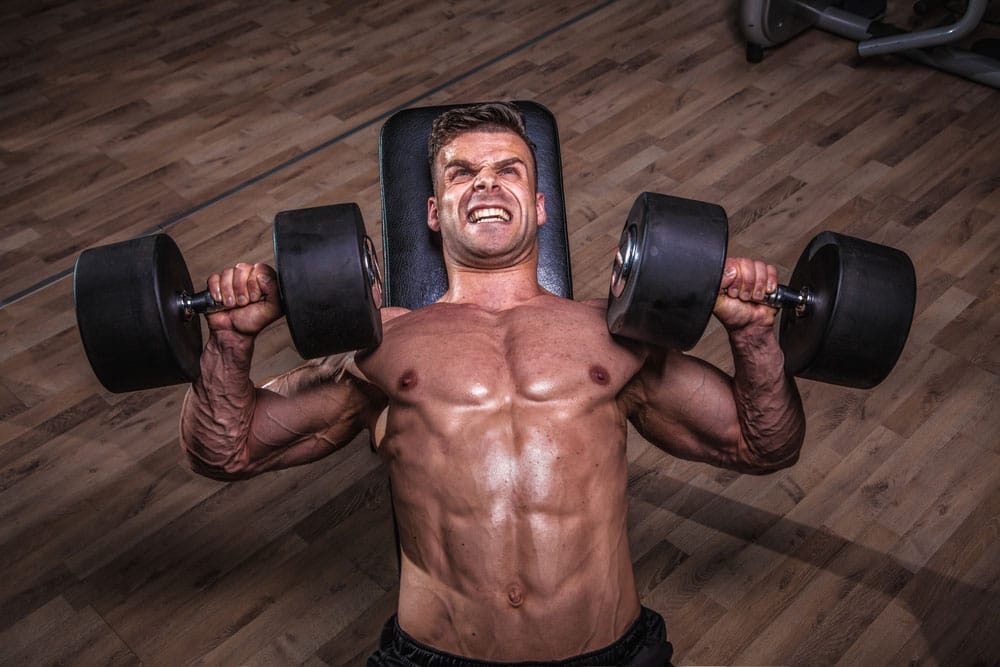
(505, 444)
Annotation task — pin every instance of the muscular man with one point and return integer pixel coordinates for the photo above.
(501, 413)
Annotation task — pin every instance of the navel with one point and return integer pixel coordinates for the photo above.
(408, 380)
(514, 595)
(599, 374)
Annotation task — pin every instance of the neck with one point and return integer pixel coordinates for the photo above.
(493, 289)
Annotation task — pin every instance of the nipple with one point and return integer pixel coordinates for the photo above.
(514, 596)
(600, 375)
(408, 380)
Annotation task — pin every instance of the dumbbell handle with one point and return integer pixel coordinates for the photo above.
(198, 303)
(786, 297)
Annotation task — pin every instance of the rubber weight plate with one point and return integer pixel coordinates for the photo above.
(860, 303)
(667, 271)
(128, 312)
(329, 280)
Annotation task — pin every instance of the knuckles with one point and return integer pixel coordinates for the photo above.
(747, 279)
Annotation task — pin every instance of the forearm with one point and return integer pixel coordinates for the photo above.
(218, 409)
(233, 430)
(768, 406)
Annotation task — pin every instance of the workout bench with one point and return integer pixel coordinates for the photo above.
(414, 269)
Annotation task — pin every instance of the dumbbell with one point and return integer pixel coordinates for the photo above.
(137, 311)
(845, 314)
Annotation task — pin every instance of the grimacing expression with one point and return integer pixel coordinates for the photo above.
(484, 204)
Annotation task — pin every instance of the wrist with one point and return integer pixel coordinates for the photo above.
(756, 346)
(229, 337)
(752, 335)
(231, 347)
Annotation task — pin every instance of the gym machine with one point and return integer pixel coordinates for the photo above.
(769, 23)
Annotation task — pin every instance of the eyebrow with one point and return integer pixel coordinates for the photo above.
(465, 164)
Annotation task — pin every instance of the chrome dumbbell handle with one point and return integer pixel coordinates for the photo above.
(198, 303)
(786, 297)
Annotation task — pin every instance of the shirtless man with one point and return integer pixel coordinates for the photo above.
(500, 412)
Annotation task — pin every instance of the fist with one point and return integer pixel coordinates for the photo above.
(744, 284)
(249, 293)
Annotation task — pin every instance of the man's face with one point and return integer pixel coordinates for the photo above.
(484, 202)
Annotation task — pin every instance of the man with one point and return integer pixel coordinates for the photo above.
(501, 413)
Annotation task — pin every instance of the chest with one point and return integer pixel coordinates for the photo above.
(463, 355)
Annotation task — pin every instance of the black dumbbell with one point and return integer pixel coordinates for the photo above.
(137, 311)
(845, 316)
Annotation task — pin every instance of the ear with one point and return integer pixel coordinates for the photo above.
(540, 208)
(432, 214)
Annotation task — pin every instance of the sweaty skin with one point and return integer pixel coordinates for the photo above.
(501, 413)
(506, 447)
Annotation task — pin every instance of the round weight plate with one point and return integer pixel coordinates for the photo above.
(667, 270)
(329, 280)
(860, 307)
(129, 316)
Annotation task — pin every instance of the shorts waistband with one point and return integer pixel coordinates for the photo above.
(408, 651)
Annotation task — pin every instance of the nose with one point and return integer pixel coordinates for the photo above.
(486, 179)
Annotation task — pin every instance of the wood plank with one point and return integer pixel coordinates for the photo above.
(208, 117)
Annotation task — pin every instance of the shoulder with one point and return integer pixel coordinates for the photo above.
(589, 306)
(596, 304)
(562, 313)
(391, 312)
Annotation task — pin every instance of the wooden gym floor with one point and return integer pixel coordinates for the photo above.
(205, 117)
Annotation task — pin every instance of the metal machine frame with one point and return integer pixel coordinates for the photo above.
(768, 23)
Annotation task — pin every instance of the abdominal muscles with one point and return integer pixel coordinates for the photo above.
(517, 549)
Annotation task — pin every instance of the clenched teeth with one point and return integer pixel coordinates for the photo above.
(488, 215)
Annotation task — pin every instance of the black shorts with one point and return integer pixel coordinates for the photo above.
(643, 645)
